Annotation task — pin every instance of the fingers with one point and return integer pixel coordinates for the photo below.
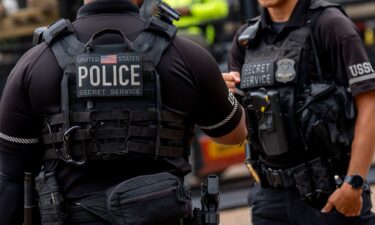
(348, 206)
(231, 79)
(351, 210)
(237, 76)
(328, 207)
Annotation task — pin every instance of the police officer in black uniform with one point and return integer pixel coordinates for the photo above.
(302, 73)
(102, 113)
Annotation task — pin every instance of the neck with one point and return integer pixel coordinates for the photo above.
(282, 12)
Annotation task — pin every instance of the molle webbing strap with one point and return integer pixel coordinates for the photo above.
(132, 116)
(111, 149)
(114, 133)
(164, 151)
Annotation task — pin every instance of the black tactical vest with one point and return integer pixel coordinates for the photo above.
(278, 85)
(111, 102)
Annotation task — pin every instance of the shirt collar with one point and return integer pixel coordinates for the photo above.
(107, 6)
(297, 19)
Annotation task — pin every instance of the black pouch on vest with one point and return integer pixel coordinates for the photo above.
(149, 199)
(271, 127)
(327, 120)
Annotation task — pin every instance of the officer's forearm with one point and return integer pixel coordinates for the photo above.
(363, 145)
(237, 136)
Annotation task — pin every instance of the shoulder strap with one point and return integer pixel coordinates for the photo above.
(318, 6)
(315, 4)
(155, 39)
(63, 41)
(316, 9)
(250, 32)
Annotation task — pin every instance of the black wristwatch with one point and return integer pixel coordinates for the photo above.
(355, 180)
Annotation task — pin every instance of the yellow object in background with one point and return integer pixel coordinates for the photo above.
(200, 12)
(369, 36)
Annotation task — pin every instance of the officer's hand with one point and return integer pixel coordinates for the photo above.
(346, 200)
(185, 11)
(231, 79)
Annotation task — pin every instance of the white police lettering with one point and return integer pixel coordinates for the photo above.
(128, 58)
(134, 74)
(92, 59)
(83, 72)
(257, 74)
(94, 76)
(258, 68)
(125, 92)
(260, 79)
(109, 75)
(98, 76)
(361, 72)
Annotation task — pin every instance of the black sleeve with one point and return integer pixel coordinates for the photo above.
(217, 112)
(343, 48)
(18, 122)
(18, 141)
(204, 94)
(237, 52)
(12, 168)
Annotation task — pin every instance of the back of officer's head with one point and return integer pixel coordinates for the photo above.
(136, 2)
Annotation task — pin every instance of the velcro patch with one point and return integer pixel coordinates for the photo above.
(109, 75)
(259, 74)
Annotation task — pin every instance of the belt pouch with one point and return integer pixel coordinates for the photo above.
(304, 183)
(321, 176)
(149, 199)
(51, 202)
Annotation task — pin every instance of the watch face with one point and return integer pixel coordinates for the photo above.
(357, 181)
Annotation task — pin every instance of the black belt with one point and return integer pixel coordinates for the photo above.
(277, 178)
(283, 178)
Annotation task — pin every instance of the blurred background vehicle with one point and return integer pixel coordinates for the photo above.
(19, 18)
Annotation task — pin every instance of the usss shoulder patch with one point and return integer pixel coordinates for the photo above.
(285, 71)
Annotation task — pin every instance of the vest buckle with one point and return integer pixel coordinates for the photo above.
(67, 156)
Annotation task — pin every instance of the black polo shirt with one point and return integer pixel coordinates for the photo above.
(340, 48)
(191, 83)
(341, 53)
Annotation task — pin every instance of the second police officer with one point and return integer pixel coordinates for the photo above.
(104, 109)
(303, 75)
